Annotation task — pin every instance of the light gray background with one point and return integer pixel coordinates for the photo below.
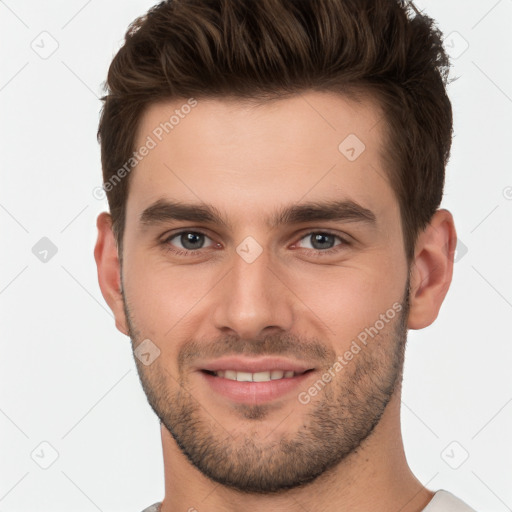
(67, 375)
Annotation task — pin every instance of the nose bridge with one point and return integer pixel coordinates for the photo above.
(252, 298)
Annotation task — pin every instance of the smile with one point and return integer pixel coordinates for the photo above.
(263, 376)
(255, 387)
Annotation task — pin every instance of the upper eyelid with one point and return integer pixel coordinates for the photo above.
(345, 239)
(168, 238)
(168, 235)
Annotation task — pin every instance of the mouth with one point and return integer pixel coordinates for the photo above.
(255, 381)
(264, 376)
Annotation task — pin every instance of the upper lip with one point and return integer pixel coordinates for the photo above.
(255, 365)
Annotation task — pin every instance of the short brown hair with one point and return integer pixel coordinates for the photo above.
(269, 49)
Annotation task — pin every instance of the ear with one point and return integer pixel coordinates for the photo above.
(432, 269)
(109, 269)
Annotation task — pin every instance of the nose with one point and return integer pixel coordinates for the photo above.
(252, 301)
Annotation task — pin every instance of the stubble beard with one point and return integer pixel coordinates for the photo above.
(342, 416)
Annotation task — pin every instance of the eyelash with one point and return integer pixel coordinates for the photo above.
(314, 252)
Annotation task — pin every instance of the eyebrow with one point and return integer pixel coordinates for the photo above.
(165, 210)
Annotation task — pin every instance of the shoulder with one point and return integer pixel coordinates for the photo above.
(153, 508)
(444, 501)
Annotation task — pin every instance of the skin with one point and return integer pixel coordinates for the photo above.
(249, 161)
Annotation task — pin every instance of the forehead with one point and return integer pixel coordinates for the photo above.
(250, 155)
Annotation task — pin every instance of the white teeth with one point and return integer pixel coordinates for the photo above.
(244, 376)
(261, 377)
(255, 377)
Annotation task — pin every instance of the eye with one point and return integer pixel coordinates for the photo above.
(189, 240)
(320, 241)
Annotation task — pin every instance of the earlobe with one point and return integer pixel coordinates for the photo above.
(109, 269)
(432, 269)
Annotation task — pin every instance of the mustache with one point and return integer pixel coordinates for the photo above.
(283, 344)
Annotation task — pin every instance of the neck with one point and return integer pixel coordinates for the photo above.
(374, 477)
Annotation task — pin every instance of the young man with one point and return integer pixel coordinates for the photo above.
(274, 171)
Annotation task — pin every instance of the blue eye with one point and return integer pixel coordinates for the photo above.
(189, 240)
(321, 241)
(190, 243)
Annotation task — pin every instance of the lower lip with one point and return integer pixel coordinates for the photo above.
(255, 392)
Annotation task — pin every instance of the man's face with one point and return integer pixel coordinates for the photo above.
(289, 258)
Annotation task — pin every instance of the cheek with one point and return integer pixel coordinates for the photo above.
(175, 302)
(349, 299)
(162, 297)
